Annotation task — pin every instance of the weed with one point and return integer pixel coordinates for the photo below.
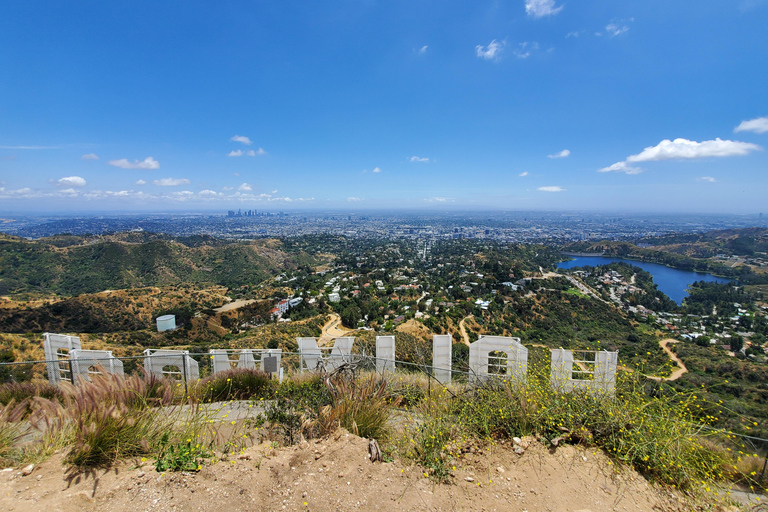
(181, 456)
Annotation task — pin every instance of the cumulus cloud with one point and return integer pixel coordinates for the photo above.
(541, 8)
(148, 163)
(171, 182)
(90, 156)
(522, 174)
(423, 49)
(759, 125)
(140, 182)
(418, 159)
(71, 181)
(375, 169)
(523, 51)
(354, 199)
(244, 187)
(683, 149)
(551, 189)
(241, 138)
(490, 52)
(562, 154)
(439, 199)
(709, 179)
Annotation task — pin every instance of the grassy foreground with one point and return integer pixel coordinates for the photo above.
(662, 434)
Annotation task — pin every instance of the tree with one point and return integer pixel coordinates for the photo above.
(737, 343)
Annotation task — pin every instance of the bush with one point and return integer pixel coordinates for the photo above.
(234, 384)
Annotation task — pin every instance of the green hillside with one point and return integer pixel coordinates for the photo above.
(69, 265)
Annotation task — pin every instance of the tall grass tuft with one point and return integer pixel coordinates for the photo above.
(234, 384)
(362, 406)
(109, 418)
(18, 392)
(11, 429)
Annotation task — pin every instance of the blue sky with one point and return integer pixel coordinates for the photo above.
(634, 105)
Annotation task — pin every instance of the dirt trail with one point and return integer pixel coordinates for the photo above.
(681, 369)
(335, 474)
(463, 330)
(333, 328)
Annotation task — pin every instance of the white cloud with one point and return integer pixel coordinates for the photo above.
(376, 169)
(490, 52)
(69, 192)
(423, 49)
(354, 199)
(522, 174)
(241, 138)
(274, 191)
(140, 182)
(90, 156)
(540, 8)
(572, 34)
(759, 125)
(244, 187)
(551, 189)
(208, 193)
(524, 50)
(614, 29)
(147, 163)
(683, 149)
(439, 199)
(710, 179)
(248, 152)
(562, 154)
(621, 167)
(418, 159)
(71, 181)
(171, 182)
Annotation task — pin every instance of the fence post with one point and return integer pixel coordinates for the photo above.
(71, 373)
(184, 373)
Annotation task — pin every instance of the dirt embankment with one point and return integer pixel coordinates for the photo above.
(335, 474)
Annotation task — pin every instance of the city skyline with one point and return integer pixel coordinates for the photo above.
(518, 105)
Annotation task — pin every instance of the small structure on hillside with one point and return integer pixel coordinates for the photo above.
(595, 371)
(166, 323)
(497, 356)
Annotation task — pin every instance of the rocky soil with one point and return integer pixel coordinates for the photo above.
(336, 474)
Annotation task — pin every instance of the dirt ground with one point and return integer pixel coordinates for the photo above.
(336, 474)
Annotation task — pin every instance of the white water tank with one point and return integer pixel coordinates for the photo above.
(166, 323)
